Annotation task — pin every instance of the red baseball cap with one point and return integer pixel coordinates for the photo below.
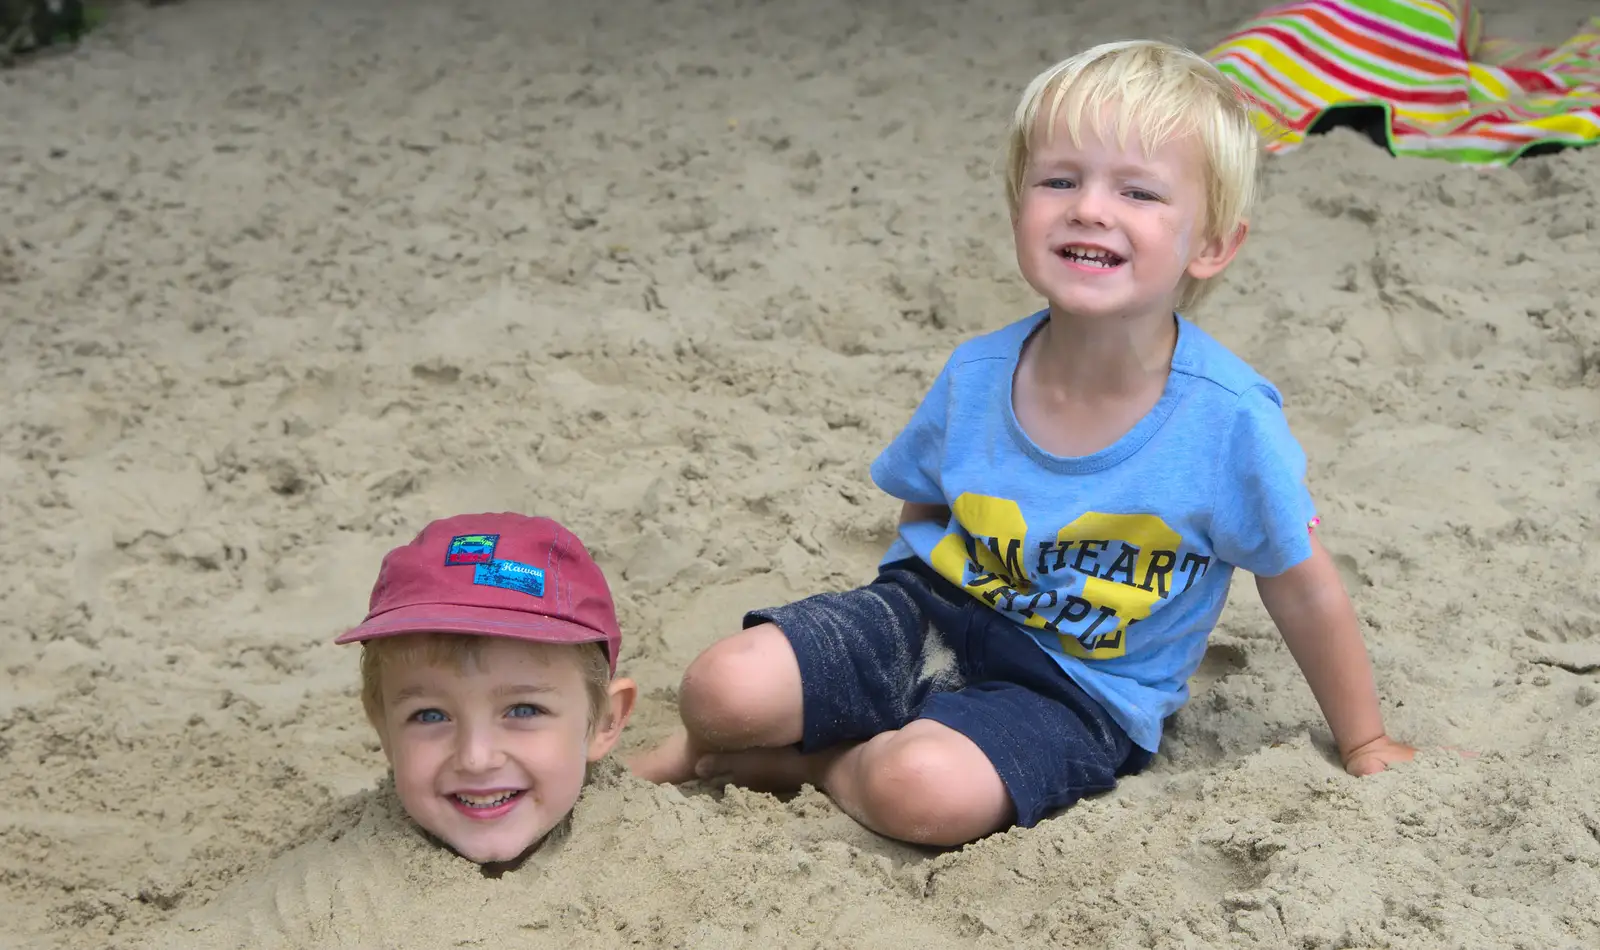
(494, 575)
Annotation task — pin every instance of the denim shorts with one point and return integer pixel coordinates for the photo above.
(912, 645)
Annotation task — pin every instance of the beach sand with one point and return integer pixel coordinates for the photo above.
(282, 282)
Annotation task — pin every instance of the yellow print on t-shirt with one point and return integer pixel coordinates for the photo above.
(1127, 563)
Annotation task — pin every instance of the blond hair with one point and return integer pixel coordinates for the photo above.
(1169, 92)
(456, 650)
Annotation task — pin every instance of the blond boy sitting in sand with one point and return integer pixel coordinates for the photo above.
(488, 659)
(1077, 487)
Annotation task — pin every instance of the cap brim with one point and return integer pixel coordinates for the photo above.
(481, 621)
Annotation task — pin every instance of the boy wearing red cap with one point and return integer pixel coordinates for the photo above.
(488, 662)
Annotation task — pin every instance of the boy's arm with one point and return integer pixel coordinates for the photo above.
(1318, 623)
(917, 511)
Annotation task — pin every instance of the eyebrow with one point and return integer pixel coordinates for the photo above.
(518, 689)
(1121, 171)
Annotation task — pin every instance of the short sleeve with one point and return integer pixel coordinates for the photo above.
(1263, 511)
(908, 468)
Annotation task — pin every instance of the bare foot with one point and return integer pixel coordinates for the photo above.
(669, 763)
(767, 770)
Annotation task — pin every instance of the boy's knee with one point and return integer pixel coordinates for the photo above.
(937, 790)
(736, 687)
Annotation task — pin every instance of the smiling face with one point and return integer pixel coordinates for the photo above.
(490, 753)
(1108, 230)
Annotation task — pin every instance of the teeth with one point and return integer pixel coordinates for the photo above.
(477, 801)
(1091, 255)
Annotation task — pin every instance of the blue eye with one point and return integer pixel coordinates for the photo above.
(524, 711)
(1141, 195)
(1058, 184)
(428, 716)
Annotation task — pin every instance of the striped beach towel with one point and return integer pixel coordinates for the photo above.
(1421, 69)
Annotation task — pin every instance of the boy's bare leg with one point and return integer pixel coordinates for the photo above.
(669, 762)
(740, 693)
(742, 709)
(926, 783)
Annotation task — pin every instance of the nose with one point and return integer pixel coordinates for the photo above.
(477, 749)
(1092, 207)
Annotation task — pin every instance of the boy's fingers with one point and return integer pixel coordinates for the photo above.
(1366, 765)
(1371, 763)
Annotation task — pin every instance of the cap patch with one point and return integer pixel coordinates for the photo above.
(510, 575)
(470, 549)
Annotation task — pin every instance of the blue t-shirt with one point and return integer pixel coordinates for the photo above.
(1117, 563)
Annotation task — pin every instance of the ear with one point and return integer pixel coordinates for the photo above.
(623, 694)
(1214, 256)
(383, 739)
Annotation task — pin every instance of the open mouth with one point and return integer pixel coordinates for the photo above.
(1090, 256)
(487, 802)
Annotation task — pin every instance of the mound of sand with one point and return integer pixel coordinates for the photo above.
(281, 282)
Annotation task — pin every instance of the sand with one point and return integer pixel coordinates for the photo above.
(281, 282)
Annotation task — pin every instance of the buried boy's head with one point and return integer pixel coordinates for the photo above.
(488, 655)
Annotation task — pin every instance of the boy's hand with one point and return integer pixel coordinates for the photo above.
(1375, 756)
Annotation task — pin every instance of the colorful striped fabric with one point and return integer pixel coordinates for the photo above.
(1444, 91)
